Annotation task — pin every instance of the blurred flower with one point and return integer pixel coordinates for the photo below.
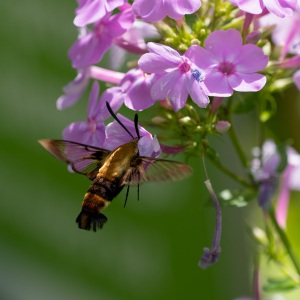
(91, 11)
(231, 65)
(178, 75)
(286, 33)
(156, 10)
(280, 8)
(132, 41)
(92, 132)
(290, 181)
(296, 78)
(91, 45)
(116, 136)
(264, 169)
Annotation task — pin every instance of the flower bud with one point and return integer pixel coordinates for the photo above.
(253, 37)
(222, 126)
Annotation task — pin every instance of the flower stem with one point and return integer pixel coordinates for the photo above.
(231, 174)
(285, 241)
(237, 146)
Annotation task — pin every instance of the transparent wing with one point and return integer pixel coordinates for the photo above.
(83, 159)
(155, 170)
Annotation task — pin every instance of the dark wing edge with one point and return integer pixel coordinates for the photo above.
(83, 159)
(157, 170)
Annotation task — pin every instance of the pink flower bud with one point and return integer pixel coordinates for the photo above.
(222, 126)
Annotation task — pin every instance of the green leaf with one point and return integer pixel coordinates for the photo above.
(279, 284)
(268, 108)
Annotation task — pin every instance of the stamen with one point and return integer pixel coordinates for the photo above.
(198, 75)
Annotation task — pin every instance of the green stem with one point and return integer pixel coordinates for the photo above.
(235, 141)
(231, 174)
(237, 146)
(285, 241)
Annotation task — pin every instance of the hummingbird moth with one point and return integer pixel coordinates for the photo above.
(111, 171)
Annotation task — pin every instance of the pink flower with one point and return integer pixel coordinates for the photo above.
(228, 65)
(133, 41)
(92, 132)
(289, 181)
(116, 136)
(136, 85)
(156, 10)
(296, 78)
(177, 75)
(286, 33)
(265, 171)
(74, 89)
(91, 11)
(91, 45)
(280, 8)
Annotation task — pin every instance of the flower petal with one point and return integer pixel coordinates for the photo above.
(296, 79)
(281, 8)
(176, 9)
(161, 58)
(138, 96)
(149, 146)
(217, 84)
(93, 98)
(115, 97)
(116, 135)
(201, 57)
(251, 6)
(251, 59)
(178, 93)
(89, 12)
(82, 132)
(171, 86)
(73, 90)
(150, 11)
(242, 82)
(195, 90)
(224, 44)
(153, 63)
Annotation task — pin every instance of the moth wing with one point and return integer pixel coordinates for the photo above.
(83, 159)
(156, 170)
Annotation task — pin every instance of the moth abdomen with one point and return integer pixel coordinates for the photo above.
(97, 198)
(89, 219)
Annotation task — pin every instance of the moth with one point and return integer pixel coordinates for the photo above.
(111, 171)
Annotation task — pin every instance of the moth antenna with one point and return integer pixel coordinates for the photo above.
(136, 125)
(116, 118)
(127, 192)
(138, 187)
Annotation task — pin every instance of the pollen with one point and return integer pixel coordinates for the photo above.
(198, 75)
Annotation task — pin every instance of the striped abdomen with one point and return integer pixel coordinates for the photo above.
(99, 195)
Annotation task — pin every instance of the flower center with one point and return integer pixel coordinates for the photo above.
(99, 29)
(226, 68)
(93, 125)
(185, 66)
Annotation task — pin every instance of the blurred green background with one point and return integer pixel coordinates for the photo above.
(150, 249)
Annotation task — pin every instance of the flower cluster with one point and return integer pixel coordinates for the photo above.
(198, 63)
